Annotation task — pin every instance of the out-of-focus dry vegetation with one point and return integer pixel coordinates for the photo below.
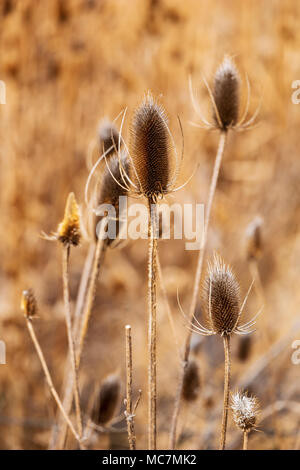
(67, 64)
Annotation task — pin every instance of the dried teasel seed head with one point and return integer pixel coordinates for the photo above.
(222, 294)
(108, 137)
(245, 411)
(191, 382)
(68, 231)
(107, 400)
(226, 95)
(254, 239)
(112, 187)
(150, 149)
(28, 303)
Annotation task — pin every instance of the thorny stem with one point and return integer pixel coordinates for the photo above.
(186, 352)
(65, 264)
(226, 339)
(129, 407)
(245, 440)
(80, 337)
(48, 377)
(152, 393)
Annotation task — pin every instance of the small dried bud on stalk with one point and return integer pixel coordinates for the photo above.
(226, 95)
(28, 303)
(68, 231)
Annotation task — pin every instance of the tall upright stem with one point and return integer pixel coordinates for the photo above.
(245, 440)
(226, 340)
(65, 271)
(152, 328)
(186, 351)
(129, 406)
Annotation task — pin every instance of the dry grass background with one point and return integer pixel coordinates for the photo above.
(66, 64)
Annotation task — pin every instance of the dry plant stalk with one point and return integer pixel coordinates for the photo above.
(150, 150)
(28, 305)
(246, 412)
(69, 234)
(129, 406)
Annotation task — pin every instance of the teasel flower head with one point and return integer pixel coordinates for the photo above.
(68, 231)
(221, 294)
(254, 239)
(225, 99)
(245, 411)
(150, 149)
(29, 304)
(191, 382)
(106, 400)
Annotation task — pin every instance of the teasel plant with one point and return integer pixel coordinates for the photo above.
(107, 191)
(69, 234)
(221, 293)
(30, 309)
(246, 411)
(225, 101)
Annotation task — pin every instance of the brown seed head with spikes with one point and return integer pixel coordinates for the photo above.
(68, 231)
(28, 303)
(107, 400)
(226, 95)
(150, 149)
(222, 295)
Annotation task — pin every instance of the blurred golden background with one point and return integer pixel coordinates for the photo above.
(68, 64)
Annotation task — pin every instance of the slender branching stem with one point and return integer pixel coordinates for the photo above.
(197, 280)
(152, 328)
(245, 440)
(65, 271)
(82, 331)
(48, 377)
(129, 406)
(226, 340)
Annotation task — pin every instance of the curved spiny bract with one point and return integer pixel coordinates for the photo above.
(226, 95)
(150, 149)
(223, 298)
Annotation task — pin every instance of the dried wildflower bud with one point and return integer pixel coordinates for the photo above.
(150, 149)
(68, 231)
(245, 411)
(191, 382)
(108, 137)
(107, 400)
(244, 348)
(113, 186)
(223, 297)
(254, 239)
(28, 303)
(226, 95)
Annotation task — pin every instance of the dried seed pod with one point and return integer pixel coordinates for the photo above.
(191, 382)
(68, 231)
(150, 149)
(28, 303)
(226, 95)
(245, 411)
(254, 239)
(108, 137)
(112, 187)
(107, 400)
(223, 297)
(244, 348)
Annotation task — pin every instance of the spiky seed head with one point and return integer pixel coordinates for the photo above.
(222, 294)
(68, 231)
(107, 400)
(245, 411)
(108, 137)
(28, 303)
(112, 187)
(254, 239)
(226, 94)
(150, 149)
(191, 382)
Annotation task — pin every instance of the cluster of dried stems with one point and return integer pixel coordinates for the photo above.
(146, 169)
